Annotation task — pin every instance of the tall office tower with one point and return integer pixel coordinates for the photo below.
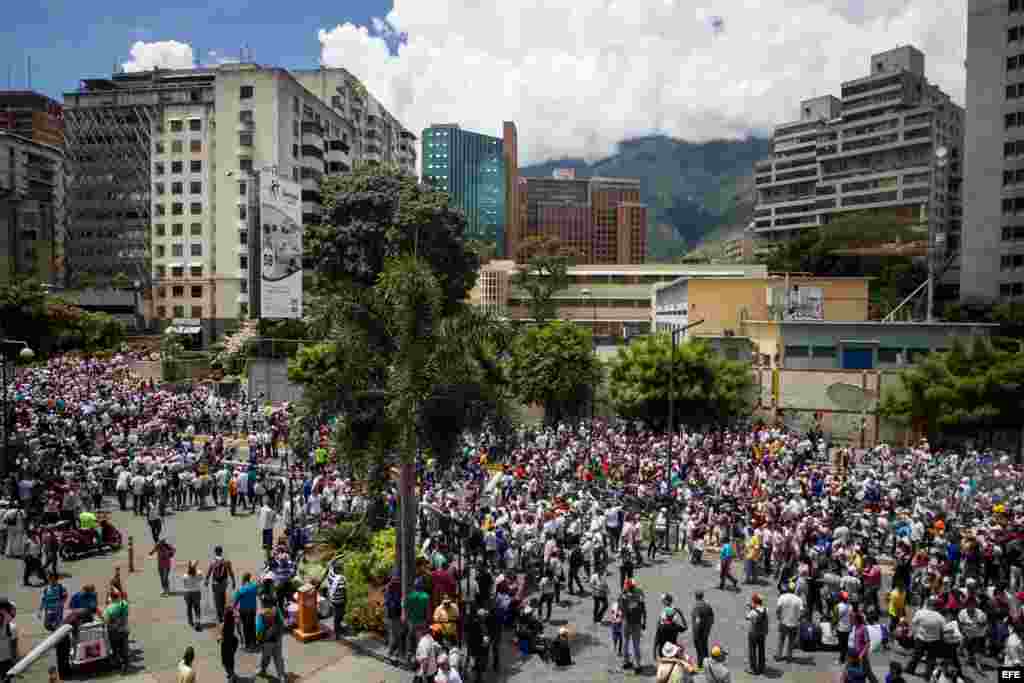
(875, 149)
(165, 165)
(993, 240)
(33, 116)
(599, 220)
(510, 147)
(471, 168)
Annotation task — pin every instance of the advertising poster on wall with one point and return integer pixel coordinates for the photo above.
(281, 247)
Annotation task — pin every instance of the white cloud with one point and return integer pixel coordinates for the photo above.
(579, 75)
(166, 54)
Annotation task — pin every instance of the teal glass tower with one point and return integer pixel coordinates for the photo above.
(470, 167)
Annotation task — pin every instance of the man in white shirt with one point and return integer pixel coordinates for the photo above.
(426, 654)
(788, 612)
(267, 520)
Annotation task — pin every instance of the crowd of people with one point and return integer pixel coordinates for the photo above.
(914, 548)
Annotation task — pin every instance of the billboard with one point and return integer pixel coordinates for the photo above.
(280, 248)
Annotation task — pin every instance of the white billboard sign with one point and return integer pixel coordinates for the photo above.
(281, 247)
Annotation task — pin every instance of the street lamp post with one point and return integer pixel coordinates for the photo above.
(10, 351)
(593, 390)
(676, 331)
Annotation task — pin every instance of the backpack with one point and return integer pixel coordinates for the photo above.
(271, 626)
(634, 609)
(220, 571)
(761, 622)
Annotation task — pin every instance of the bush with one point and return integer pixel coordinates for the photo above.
(367, 571)
(345, 537)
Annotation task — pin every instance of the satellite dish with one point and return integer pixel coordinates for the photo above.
(941, 152)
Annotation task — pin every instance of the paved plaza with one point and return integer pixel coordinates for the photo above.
(161, 632)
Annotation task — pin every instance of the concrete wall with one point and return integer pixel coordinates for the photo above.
(270, 377)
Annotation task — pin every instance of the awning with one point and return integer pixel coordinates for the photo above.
(186, 329)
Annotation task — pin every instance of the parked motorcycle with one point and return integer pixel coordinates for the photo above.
(77, 542)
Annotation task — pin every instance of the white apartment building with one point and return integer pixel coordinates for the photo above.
(874, 149)
(203, 137)
(993, 243)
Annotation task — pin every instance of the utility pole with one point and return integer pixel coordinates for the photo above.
(672, 400)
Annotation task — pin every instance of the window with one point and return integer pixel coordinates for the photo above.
(196, 271)
(889, 355)
(295, 175)
(195, 187)
(295, 151)
(158, 148)
(1016, 6)
(243, 237)
(295, 128)
(176, 167)
(195, 166)
(196, 146)
(243, 310)
(243, 212)
(197, 292)
(196, 229)
(243, 286)
(243, 262)
(245, 165)
(161, 292)
(175, 125)
(824, 352)
(177, 147)
(245, 139)
(243, 189)
(195, 208)
(1011, 261)
(195, 124)
(161, 271)
(177, 230)
(246, 92)
(295, 106)
(336, 102)
(161, 311)
(245, 116)
(177, 209)
(158, 188)
(159, 229)
(177, 188)
(798, 352)
(158, 251)
(197, 311)
(177, 291)
(158, 168)
(177, 250)
(196, 249)
(179, 311)
(178, 271)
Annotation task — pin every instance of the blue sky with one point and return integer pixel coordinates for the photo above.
(72, 39)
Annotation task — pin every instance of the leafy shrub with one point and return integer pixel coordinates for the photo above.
(345, 537)
(366, 571)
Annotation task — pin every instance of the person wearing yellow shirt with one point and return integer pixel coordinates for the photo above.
(858, 561)
(753, 554)
(447, 617)
(897, 600)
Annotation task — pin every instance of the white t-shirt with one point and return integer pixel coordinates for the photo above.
(451, 676)
(790, 608)
(426, 656)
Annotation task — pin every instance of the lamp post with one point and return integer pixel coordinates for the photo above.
(936, 238)
(593, 391)
(676, 331)
(11, 350)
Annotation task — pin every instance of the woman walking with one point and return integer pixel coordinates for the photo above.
(229, 642)
(193, 588)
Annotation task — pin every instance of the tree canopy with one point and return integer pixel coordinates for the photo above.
(554, 365)
(708, 388)
(544, 273)
(50, 324)
(965, 391)
(377, 213)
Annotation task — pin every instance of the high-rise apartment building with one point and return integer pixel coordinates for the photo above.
(599, 220)
(33, 116)
(993, 241)
(471, 168)
(510, 148)
(874, 149)
(165, 165)
(31, 209)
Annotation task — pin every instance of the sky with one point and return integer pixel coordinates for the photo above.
(577, 76)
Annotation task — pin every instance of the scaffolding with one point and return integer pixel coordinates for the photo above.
(109, 151)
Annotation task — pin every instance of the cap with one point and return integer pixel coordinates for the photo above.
(716, 652)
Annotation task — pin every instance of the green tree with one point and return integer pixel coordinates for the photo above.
(973, 392)
(708, 388)
(544, 273)
(378, 213)
(554, 365)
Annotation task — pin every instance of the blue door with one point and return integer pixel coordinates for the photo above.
(858, 358)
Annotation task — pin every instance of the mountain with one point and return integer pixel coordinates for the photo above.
(693, 190)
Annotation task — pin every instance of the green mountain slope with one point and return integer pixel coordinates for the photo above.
(692, 189)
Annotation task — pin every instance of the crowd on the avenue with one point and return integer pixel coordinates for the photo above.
(915, 550)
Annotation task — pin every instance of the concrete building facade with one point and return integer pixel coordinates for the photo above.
(179, 179)
(32, 115)
(32, 219)
(873, 150)
(599, 220)
(993, 242)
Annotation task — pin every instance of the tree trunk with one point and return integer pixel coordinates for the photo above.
(406, 536)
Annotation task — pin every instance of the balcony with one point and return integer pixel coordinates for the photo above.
(339, 146)
(312, 132)
(312, 151)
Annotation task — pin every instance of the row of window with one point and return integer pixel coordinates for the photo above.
(1013, 233)
(1014, 148)
(1011, 261)
(178, 147)
(178, 209)
(1013, 120)
(178, 291)
(194, 187)
(178, 271)
(1011, 289)
(1016, 6)
(1014, 91)
(179, 312)
(178, 250)
(178, 167)
(177, 229)
(177, 125)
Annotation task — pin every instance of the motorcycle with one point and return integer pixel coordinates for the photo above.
(77, 542)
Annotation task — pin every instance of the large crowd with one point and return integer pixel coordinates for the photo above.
(912, 548)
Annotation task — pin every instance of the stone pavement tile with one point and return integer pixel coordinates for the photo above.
(358, 669)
